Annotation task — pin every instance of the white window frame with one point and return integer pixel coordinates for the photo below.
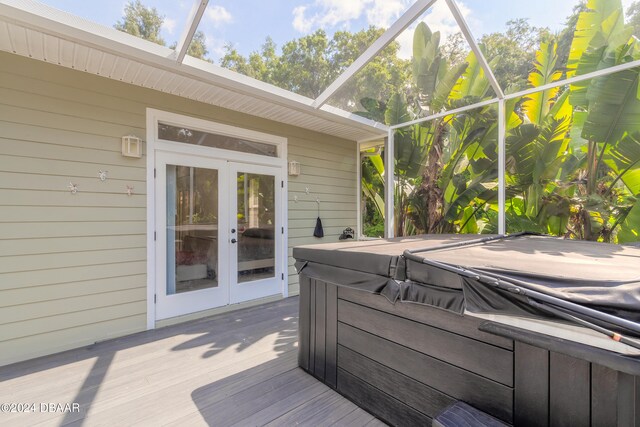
(153, 143)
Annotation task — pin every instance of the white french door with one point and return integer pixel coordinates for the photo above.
(219, 234)
(256, 232)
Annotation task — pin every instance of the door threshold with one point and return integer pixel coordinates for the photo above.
(214, 311)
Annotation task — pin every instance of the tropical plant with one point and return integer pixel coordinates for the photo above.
(445, 169)
(537, 158)
(572, 152)
(611, 111)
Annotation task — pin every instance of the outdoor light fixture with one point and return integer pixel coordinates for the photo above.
(131, 146)
(294, 168)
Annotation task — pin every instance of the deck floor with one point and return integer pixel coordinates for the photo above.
(237, 368)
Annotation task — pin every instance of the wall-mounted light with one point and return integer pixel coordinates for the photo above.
(294, 168)
(131, 146)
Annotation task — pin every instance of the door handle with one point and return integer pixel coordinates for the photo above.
(233, 240)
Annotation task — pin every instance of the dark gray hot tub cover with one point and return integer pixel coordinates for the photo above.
(596, 275)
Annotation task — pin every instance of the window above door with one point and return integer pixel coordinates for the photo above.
(186, 134)
(206, 139)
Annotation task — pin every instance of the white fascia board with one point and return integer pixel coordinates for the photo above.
(376, 47)
(190, 29)
(373, 141)
(37, 16)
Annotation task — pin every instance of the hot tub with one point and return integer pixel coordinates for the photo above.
(510, 325)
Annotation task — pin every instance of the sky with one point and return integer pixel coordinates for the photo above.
(246, 23)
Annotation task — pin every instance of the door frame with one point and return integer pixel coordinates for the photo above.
(153, 143)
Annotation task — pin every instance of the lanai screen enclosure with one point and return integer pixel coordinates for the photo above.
(404, 117)
(499, 117)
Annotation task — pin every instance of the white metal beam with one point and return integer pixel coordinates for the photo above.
(190, 29)
(502, 189)
(466, 31)
(383, 41)
(358, 192)
(445, 113)
(389, 185)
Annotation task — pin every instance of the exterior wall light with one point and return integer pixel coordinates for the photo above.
(131, 146)
(294, 168)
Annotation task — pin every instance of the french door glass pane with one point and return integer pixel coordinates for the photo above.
(256, 218)
(192, 229)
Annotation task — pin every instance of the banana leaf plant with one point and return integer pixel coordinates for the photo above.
(610, 159)
(572, 153)
(445, 169)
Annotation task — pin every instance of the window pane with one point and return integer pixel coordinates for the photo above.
(372, 189)
(196, 137)
(256, 221)
(558, 38)
(430, 64)
(573, 160)
(297, 45)
(192, 229)
(446, 175)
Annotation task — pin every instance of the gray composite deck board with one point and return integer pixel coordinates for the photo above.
(237, 368)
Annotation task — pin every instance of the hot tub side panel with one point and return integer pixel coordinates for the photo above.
(318, 329)
(555, 389)
(405, 363)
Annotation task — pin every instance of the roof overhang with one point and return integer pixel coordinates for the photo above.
(34, 30)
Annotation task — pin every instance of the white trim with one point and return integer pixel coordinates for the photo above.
(378, 138)
(376, 47)
(151, 219)
(466, 31)
(285, 218)
(502, 190)
(195, 15)
(358, 191)
(153, 116)
(389, 174)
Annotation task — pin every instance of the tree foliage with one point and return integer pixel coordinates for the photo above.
(516, 48)
(197, 47)
(146, 22)
(633, 17)
(141, 21)
(308, 65)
